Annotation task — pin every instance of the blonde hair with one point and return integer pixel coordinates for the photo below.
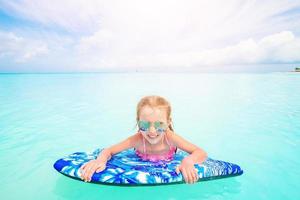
(157, 102)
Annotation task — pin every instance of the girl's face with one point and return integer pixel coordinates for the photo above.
(153, 116)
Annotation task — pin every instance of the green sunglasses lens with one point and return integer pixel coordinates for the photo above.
(144, 125)
(159, 126)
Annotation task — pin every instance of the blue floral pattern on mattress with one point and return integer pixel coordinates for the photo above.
(129, 169)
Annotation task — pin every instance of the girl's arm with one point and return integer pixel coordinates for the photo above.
(128, 143)
(197, 155)
(99, 164)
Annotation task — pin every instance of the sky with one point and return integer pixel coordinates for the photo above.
(139, 35)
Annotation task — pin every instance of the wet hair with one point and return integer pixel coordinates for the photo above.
(155, 102)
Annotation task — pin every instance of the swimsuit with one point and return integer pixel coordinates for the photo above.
(168, 156)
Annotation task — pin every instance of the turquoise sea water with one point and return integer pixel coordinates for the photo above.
(249, 119)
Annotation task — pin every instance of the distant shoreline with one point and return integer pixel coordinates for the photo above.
(146, 72)
(297, 69)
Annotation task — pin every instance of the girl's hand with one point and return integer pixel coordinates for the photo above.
(89, 168)
(189, 172)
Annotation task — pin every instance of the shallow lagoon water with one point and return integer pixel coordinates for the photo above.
(249, 119)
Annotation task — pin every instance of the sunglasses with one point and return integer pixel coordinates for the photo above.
(145, 126)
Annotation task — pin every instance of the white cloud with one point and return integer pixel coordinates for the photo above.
(281, 47)
(99, 41)
(170, 34)
(19, 48)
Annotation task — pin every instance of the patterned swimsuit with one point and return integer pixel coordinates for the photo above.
(168, 156)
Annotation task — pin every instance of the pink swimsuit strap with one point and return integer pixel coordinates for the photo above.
(157, 157)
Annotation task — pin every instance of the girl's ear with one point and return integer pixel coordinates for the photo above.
(170, 121)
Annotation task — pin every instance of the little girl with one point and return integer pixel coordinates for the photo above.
(154, 141)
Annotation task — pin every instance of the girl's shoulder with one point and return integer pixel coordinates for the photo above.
(137, 138)
(170, 135)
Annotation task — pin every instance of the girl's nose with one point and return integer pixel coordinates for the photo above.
(152, 129)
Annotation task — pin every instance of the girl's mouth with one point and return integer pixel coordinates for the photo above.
(152, 136)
